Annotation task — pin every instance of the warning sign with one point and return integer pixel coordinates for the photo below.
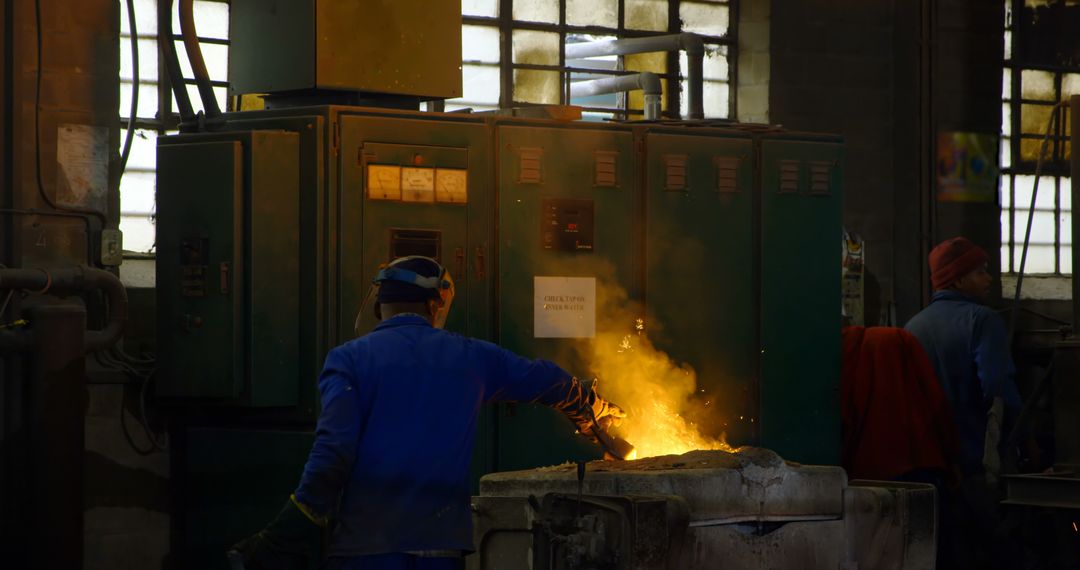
(564, 307)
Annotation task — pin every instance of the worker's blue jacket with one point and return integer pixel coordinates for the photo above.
(394, 440)
(968, 346)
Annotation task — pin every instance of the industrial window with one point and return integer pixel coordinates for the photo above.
(1041, 68)
(157, 113)
(513, 53)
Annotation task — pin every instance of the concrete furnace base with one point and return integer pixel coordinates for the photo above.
(749, 509)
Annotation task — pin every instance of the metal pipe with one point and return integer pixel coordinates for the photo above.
(117, 296)
(64, 281)
(648, 82)
(195, 56)
(1074, 164)
(692, 44)
(172, 64)
(133, 114)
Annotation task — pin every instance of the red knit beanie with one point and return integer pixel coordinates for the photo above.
(954, 258)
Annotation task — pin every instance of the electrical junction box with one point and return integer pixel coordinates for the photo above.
(394, 47)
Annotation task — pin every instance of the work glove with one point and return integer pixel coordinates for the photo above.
(588, 410)
(598, 418)
(607, 414)
(593, 416)
(287, 543)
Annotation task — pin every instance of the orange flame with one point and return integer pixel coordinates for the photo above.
(653, 390)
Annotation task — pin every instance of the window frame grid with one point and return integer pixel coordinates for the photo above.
(506, 25)
(165, 121)
(1055, 167)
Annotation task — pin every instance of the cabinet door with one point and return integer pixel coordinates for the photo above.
(568, 199)
(413, 187)
(199, 263)
(800, 312)
(700, 272)
(418, 187)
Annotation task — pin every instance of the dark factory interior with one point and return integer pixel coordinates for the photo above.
(539, 284)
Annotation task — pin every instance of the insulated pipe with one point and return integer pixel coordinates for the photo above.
(692, 44)
(117, 295)
(198, 65)
(172, 65)
(67, 280)
(1074, 164)
(648, 82)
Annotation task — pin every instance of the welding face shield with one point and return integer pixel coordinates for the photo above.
(416, 279)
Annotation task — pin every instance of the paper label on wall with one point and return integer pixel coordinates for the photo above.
(82, 157)
(564, 307)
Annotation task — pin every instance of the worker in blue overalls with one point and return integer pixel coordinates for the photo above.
(968, 346)
(394, 440)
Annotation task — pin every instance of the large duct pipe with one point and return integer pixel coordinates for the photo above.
(1074, 166)
(648, 82)
(65, 281)
(692, 44)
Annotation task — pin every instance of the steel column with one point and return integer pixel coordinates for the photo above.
(55, 426)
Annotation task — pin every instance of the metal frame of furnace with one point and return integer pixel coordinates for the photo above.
(268, 240)
(700, 510)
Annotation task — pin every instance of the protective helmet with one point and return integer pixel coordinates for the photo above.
(416, 279)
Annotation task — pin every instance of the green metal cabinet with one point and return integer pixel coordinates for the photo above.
(587, 174)
(271, 230)
(800, 306)
(401, 48)
(281, 197)
(228, 271)
(376, 230)
(457, 231)
(700, 267)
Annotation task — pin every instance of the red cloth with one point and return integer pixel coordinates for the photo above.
(895, 415)
(954, 258)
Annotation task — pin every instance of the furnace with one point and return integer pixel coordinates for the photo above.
(746, 509)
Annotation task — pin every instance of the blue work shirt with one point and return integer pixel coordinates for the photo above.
(968, 345)
(394, 439)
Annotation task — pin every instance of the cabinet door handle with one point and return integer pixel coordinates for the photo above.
(223, 270)
(459, 261)
(479, 263)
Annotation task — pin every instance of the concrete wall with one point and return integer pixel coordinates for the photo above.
(966, 90)
(752, 88)
(888, 75)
